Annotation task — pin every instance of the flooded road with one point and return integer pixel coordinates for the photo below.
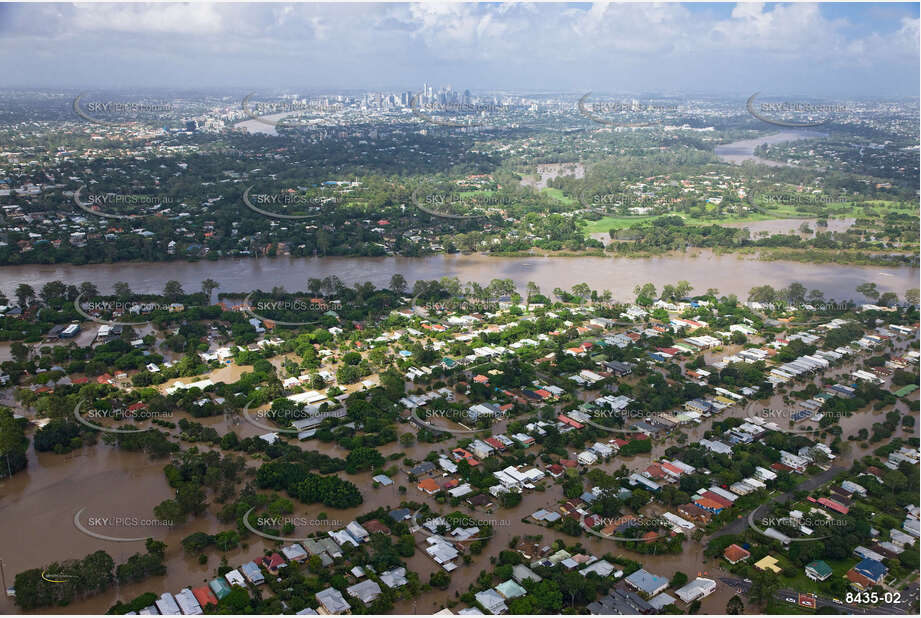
(38, 505)
(730, 273)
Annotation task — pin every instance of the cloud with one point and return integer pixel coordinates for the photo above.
(513, 45)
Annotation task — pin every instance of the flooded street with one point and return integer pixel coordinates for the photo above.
(37, 507)
(735, 274)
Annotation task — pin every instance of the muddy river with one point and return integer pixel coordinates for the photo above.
(730, 273)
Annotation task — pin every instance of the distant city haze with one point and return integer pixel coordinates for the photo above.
(825, 50)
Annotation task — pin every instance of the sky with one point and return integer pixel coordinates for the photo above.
(823, 50)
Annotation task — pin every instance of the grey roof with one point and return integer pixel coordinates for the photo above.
(394, 578)
(521, 572)
(366, 590)
(332, 600)
(661, 600)
(647, 582)
(423, 467)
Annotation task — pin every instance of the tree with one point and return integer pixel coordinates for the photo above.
(89, 289)
(314, 285)
(363, 458)
(583, 291)
(764, 585)
(122, 289)
(647, 292)
(407, 439)
(682, 289)
(678, 580)
(735, 606)
(532, 290)
(912, 296)
(13, 443)
(398, 284)
(173, 290)
(795, 293)
(208, 286)
(24, 293)
(868, 290)
(888, 299)
(762, 294)
(52, 290)
(440, 579)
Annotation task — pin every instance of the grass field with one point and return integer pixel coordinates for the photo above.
(776, 211)
(558, 195)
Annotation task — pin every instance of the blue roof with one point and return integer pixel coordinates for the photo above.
(872, 569)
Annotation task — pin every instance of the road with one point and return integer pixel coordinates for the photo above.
(737, 526)
(785, 593)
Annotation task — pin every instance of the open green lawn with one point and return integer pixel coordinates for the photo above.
(773, 211)
(607, 223)
(558, 195)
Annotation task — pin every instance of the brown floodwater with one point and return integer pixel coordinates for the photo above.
(729, 273)
(37, 508)
(792, 226)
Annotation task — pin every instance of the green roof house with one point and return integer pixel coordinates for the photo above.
(818, 570)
